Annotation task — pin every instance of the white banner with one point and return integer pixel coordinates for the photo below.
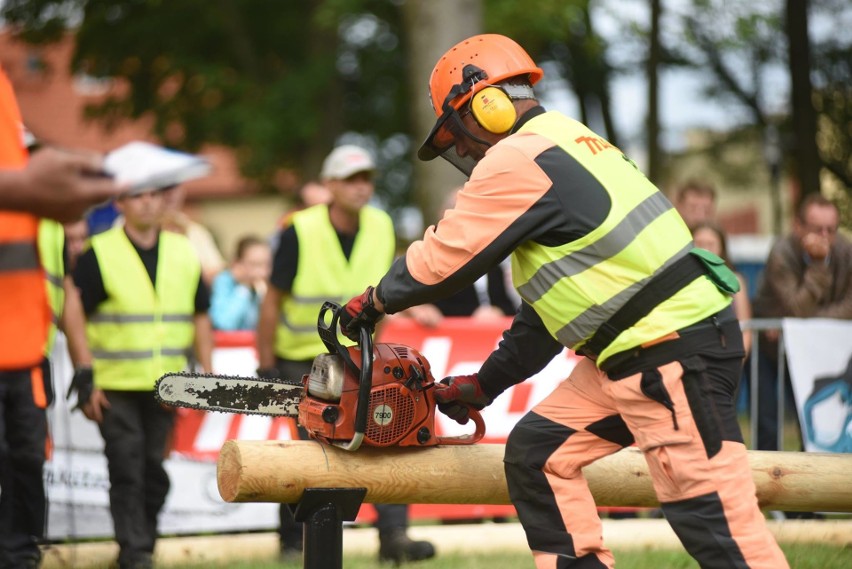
(77, 481)
(819, 352)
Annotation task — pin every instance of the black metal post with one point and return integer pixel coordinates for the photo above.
(323, 511)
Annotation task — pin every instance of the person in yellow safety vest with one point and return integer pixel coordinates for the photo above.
(606, 267)
(329, 252)
(146, 308)
(66, 310)
(54, 184)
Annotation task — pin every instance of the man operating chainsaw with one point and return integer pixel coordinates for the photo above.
(605, 266)
(329, 252)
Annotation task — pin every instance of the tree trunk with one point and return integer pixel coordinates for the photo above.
(652, 70)
(433, 27)
(598, 62)
(805, 148)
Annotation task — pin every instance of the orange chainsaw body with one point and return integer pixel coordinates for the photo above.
(400, 408)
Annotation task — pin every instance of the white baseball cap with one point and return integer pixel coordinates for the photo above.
(346, 160)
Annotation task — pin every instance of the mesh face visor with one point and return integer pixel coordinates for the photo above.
(441, 141)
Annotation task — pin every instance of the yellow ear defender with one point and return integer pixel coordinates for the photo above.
(493, 110)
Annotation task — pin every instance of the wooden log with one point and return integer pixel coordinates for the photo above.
(279, 471)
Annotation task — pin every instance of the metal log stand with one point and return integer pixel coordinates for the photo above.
(323, 511)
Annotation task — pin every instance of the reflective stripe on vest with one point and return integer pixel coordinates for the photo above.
(51, 243)
(324, 273)
(578, 286)
(18, 256)
(23, 306)
(141, 331)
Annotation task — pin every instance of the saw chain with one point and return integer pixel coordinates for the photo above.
(230, 393)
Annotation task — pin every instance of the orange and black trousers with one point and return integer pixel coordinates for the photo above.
(23, 450)
(675, 401)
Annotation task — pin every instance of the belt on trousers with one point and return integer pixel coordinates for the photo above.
(625, 363)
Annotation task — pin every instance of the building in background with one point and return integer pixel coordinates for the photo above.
(52, 104)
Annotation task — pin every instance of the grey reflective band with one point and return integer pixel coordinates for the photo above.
(303, 329)
(122, 354)
(55, 280)
(19, 256)
(600, 251)
(588, 322)
(177, 317)
(174, 351)
(102, 318)
(136, 354)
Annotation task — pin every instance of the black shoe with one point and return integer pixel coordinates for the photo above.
(396, 547)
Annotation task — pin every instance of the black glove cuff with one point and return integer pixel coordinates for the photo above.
(83, 382)
(369, 314)
(369, 308)
(490, 392)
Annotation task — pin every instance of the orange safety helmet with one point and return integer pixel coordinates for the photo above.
(470, 67)
(498, 56)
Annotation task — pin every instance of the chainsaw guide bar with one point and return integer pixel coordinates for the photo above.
(230, 393)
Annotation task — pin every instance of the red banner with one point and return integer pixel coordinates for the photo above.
(457, 346)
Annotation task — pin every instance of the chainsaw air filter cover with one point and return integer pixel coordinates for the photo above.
(326, 378)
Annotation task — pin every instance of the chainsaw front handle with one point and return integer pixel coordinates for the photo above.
(475, 437)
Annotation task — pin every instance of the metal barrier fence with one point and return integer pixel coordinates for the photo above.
(757, 325)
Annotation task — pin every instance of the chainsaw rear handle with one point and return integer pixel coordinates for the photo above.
(328, 334)
(469, 439)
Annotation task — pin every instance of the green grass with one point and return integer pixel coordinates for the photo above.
(800, 556)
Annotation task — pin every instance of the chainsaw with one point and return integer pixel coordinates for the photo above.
(386, 401)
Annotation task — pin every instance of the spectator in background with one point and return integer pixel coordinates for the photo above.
(176, 220)
(238, 291)
(327, 252)
(709, 235)
(76, 240)
(808, 274)
(695, 202)
(146, 306)
(309, 194)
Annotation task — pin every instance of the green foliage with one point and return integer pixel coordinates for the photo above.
(833, 102)
(562, 32)
(278, 82)
(281, 81)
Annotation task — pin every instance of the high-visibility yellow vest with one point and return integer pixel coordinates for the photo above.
(577, 286)
(51, 245)
(324, 273)
(141, 331)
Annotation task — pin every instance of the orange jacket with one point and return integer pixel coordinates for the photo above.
(24, 313)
